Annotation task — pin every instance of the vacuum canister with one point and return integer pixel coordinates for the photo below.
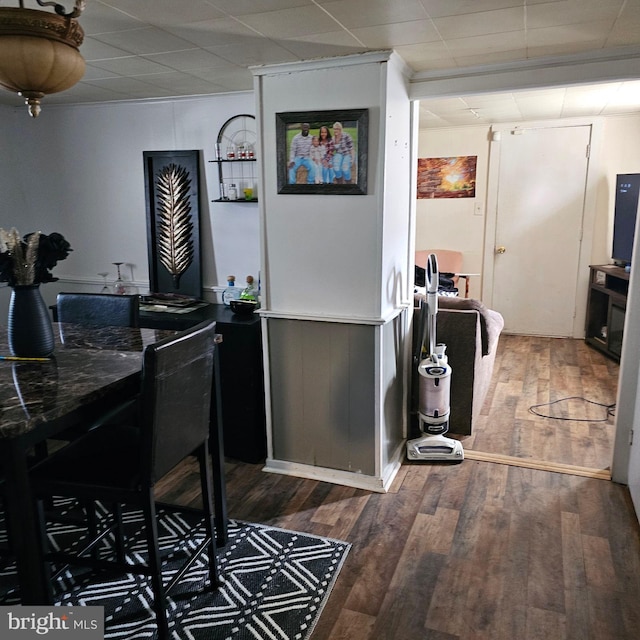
(434, 393)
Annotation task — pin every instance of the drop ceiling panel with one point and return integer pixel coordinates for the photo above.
(214, 33)
(130, 66)
(144, 40)
(367, 13)
(291, 23)
(162, 12)
(252, 51)
(162, 48)
(188, 60)
(539, 16)
(481, 23)
(440, 8)
(322, 45)
(396, 34)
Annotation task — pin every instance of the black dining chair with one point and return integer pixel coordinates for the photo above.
(98, 309)
(6, 553)
(120, 464)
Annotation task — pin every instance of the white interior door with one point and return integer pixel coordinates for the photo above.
(540, 206)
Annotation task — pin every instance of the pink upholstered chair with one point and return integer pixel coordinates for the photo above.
(448, 262)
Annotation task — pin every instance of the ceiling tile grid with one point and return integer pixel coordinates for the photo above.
(162, 48)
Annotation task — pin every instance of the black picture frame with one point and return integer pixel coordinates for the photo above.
(355, 124)
(187, 206)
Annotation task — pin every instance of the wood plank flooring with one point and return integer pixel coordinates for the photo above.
(534, 371)
(470, 551)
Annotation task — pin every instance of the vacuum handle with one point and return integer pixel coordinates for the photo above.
(431, 274)
(431, 281)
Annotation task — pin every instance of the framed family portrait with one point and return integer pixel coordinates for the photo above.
(322, 152)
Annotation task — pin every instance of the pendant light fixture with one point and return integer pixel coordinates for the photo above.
(39, 51)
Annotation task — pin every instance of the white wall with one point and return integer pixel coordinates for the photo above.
(79, 171)
(460, 223)
(335, 271)
(456, 223)
(620, 154)
(319, 242)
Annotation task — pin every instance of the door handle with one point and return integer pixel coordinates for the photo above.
(501, 250)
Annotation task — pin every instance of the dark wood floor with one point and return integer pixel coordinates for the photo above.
(470, 551)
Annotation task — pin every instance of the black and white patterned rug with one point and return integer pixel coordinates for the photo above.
(275, 582)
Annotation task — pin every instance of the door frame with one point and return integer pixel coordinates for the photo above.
(588, 216)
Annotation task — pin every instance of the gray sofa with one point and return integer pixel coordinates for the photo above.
(471, 332)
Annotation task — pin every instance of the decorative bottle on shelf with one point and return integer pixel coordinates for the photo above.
(250, 292)
(233, 192)
(231, 292)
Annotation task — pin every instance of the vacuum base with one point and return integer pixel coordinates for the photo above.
(436, 448)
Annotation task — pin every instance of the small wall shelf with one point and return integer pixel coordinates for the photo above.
(606, 307)
(235, 158)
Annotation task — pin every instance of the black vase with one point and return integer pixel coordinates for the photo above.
(29, 331)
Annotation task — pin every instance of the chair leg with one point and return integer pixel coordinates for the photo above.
(40, 450)
(155, 564)
(216, 448)
(44, 543)
(92, 525)
(119, 531)
(206, 482)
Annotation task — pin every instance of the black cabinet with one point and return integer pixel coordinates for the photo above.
(241, 374)
(606, 306)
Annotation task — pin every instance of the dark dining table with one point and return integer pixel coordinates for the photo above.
(91, 369)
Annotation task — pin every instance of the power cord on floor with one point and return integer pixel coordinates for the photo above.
(611, 410)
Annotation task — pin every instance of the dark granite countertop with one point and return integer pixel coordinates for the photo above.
(88, 363)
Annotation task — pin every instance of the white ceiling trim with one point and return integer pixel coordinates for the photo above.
(322, 63)
(604, 66)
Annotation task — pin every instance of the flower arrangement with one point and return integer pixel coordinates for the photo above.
(29, 260)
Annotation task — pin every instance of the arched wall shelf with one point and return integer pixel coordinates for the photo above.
(236, 159)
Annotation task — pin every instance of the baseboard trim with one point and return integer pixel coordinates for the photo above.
(540, 465)
(335, 476)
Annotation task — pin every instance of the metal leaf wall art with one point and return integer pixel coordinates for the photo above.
(175, 228)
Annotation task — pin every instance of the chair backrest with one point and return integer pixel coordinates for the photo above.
(448, 261)
(98, 309)
(175, 403)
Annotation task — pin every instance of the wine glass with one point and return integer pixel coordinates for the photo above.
(105, 286)
(119, 286)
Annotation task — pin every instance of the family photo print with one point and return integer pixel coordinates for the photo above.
(322, 152)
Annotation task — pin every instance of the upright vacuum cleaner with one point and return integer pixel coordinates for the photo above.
(434, 380)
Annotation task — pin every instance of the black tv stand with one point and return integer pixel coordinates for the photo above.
(606, 307)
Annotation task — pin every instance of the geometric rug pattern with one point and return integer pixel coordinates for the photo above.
(274, 582)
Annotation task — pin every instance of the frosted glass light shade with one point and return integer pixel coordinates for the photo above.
(39, 54)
